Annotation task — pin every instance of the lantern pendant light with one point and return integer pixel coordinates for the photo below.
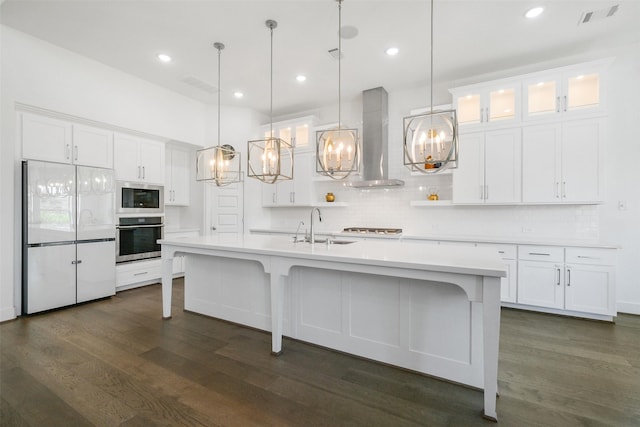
(270, 160)
(337, 153)
(431, 139)
(221, 163)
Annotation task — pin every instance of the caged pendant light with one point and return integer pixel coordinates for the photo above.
(431, 139)
(337, 154)
(270, 160)
(220, 163)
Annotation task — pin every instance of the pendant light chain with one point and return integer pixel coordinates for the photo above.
(271, 87)
(431, 77)
(220, 47)
(339, 64)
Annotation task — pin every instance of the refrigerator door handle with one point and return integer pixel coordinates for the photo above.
(79, 261)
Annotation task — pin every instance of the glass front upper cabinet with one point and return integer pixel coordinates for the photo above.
(486, 106)
(575, 92)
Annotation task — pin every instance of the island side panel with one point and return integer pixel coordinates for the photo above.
(425, 326)
(167, 280)
(491, 329)
(235, 290)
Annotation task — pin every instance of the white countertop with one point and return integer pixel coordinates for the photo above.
(538, 241)
(391, 253)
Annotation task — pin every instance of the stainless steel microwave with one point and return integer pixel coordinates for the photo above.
(133, 198)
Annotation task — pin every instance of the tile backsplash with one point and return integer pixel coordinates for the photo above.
(391, 208)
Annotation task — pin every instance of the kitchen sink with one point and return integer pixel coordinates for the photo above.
(332, 242)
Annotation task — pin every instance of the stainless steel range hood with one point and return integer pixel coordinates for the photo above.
(375, 136)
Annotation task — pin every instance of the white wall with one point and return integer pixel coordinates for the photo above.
(605, 223)
(39, 74)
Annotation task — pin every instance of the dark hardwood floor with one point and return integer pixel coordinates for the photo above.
(115, 362)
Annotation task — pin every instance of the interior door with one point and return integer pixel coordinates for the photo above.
(224, 210)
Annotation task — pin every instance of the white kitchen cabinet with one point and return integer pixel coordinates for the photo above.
(177, 173)
(138, 273)
(489, 168)
(540, 276)
(575, 280)
(562, 162)
(569, 92)
(487, 105)
(296, 132)
(509, 284)
(590, 280)
(295, 192)
(48, 139)
(138, 160)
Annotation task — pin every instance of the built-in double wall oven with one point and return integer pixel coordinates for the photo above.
(140, 209)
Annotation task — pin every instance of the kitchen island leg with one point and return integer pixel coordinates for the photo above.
(277, 303)
(491, 331)
(167, 285)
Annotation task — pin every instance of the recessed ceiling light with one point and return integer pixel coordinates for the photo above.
(534, 12)
(164, 57)
(392, 51)
(301, 78)
(238, 94)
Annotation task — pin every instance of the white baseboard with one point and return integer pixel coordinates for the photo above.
(7, 313)
(628, 307)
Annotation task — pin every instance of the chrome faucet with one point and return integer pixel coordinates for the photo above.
(295, 239)
(312, 238)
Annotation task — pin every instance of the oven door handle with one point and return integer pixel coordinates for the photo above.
(126, 227)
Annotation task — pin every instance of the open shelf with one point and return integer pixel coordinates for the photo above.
(431, 203)
(330, 204)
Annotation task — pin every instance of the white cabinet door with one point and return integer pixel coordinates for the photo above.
(51, 277)
(269, 195)
(125, 158)
(485, 106)
(302, 183)
(44, 138)
(151, 158)
(581, 161)
(509, 284)
(489, 168)
(566, 92)
(540, 284)
(92, 147)
(138, 160)
(177, 177)
(468, 178)
(96, 270)
(562, 162)
(590, 289)
(541, 163)
(285, 195)
(502, 166)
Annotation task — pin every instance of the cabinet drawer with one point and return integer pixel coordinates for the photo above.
(593, 256)
(505, 251)
(137, 272)
(541, 253)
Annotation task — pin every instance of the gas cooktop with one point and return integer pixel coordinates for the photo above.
(369, 230)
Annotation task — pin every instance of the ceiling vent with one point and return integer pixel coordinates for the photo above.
(199, 84)
(597, 15)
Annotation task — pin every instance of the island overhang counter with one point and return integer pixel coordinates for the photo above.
(429, 308)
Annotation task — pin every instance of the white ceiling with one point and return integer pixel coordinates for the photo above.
(471, 37)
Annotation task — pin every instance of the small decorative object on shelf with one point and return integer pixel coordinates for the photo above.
(330, 197)
(433, 194)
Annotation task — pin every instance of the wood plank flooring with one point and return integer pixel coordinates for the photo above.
(115, 362)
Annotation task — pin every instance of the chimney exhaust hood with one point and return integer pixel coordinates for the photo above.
(375, 136)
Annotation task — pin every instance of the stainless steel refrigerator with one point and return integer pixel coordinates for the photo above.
(68, 235)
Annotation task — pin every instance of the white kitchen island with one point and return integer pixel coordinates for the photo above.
(432, 309)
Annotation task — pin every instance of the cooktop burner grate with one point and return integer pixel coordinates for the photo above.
(370, 230)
